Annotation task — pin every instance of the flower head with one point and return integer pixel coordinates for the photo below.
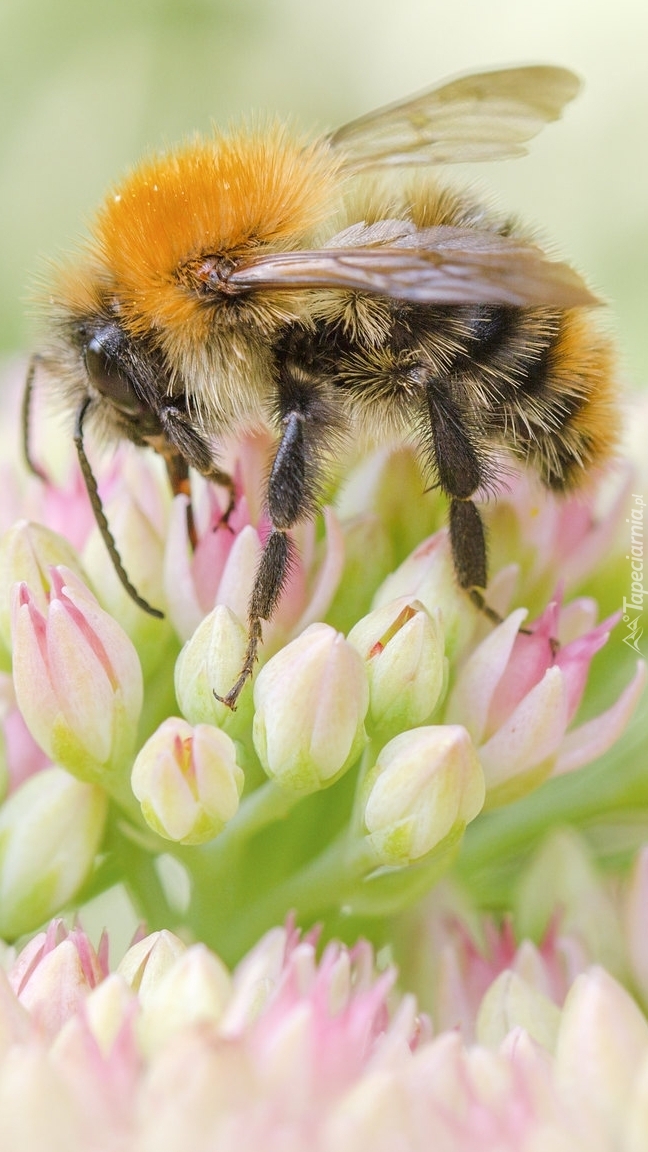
(386, 714)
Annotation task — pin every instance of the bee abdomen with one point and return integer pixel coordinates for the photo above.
(548, 379)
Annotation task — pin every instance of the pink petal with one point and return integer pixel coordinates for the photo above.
(530, 736)
(239, 571)
(531, 655)
(477, 682)
(593, 738)
(185, 611)
(575, 658)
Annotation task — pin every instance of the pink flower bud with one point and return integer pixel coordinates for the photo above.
(77, 677)
(146, 962)
(195, 988)
(27, 553)
(602, 1046)
(54, 973)
(510, 1003)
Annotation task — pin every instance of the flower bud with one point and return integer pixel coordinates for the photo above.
(428, 575)
(220, 570)
(402, 646)
(425, 785)
(510, 1002)
(197, 987)
(108, 1009)
(146, 962)
(53, 975)
(77, 677)
(210, 662)
(140, 545)
(311, 700)
(187, 781)
(602, 1044)
(563, 874)
(27, 552)
(50, 830)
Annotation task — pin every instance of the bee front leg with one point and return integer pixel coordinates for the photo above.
(183, 447)
(461, 473)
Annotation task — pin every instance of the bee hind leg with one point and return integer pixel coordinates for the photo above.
(468, 543)
(461, 473)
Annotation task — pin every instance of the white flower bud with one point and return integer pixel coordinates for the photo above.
(311, 700)
(426, 784)
(187, 781)
(402, 646)
(50, 829)
(210, 662)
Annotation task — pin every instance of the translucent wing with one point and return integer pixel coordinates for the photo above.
(440, 265)
(484, 116)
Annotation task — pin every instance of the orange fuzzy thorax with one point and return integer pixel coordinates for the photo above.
(225, 195)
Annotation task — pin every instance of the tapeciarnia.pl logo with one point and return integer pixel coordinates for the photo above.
(634, 605)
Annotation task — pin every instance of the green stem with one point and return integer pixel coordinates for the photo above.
(257, 811)
(140, 877)
(327, 881)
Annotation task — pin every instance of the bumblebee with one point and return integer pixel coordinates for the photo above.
(336, 291)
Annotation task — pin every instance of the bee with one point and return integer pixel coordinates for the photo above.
(336, 291)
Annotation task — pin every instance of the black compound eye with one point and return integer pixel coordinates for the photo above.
(105, 373)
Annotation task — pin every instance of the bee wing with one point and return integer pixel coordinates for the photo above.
(440, 265)
(483, 116)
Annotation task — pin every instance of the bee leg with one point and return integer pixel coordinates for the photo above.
(183, 447)
(26, 415)
(288, 501)
(460, 476)
(310, 421)
(468, 543)
(268, 584)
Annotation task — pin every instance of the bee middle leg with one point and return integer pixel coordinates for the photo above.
(461, 474)
(309, 419)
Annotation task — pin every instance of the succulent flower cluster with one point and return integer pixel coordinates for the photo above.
(391, 737)
(529, 1047)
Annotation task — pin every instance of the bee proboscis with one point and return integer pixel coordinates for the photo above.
(336, 290)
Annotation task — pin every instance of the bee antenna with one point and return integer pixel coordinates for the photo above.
(100, 516)
(26, 413)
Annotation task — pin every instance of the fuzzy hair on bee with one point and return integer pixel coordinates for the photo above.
(336, 292)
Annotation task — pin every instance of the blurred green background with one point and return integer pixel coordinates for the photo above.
(86, 87)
